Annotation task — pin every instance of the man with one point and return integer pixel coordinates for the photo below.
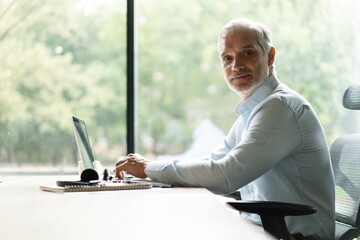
(275, 151)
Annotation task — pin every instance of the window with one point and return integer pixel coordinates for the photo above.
(65, 57)
(58, 59)
(181, 92)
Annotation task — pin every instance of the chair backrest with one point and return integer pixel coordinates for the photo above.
(345, 157)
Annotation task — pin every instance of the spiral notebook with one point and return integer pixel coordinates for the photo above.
(99, 187)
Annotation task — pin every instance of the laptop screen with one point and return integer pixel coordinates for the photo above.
(83, 143)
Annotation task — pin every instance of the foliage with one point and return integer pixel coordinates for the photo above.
(61, 61)
(178, 64)
(65, 57)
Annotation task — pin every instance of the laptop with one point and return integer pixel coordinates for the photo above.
(87, 157)
(83, 144)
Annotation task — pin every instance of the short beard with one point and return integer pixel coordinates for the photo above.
(263, 76)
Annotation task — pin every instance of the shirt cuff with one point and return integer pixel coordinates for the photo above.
(154, 170)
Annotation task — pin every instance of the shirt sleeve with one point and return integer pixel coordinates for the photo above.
(272, 134)
(229, 142)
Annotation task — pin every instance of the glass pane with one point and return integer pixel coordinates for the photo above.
(184, 105)
(61, 58)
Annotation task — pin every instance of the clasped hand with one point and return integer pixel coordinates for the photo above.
(133, 164)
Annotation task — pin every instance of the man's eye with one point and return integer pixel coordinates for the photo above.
(248, 53)
(226, 59)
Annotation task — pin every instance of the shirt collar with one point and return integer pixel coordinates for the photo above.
(260, 93)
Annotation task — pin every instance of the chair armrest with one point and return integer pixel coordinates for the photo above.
(273, 214)
(273, 208)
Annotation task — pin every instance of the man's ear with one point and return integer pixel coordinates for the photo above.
(271, 56)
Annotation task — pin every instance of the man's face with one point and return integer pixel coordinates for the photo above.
(245, 66)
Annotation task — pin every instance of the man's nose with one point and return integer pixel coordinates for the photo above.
(237, 65)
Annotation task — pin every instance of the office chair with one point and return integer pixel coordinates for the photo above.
(345, 158)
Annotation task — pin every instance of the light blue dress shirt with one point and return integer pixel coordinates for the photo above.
(275, 151)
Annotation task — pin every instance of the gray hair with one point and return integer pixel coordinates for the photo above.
(262, 33)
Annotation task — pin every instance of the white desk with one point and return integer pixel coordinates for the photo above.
(26, 212)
